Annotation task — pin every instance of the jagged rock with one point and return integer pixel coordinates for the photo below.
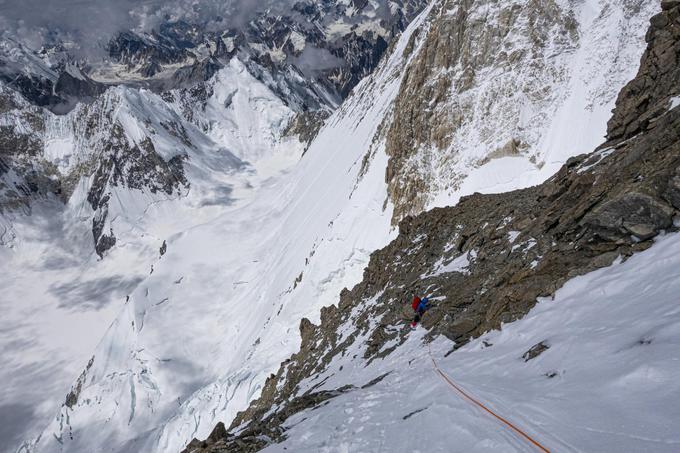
(72, 397)
(306, 125)
(535, 351)
(632, 213)
(645, 99)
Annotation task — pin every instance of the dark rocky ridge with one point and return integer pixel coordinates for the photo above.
(24, 177)
(520, 246)
(36, 89)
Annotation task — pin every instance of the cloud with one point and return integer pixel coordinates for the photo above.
(313, 60)
(35, 21)
(92, 294)
(90, 24)
(15, 418)
(32, 388)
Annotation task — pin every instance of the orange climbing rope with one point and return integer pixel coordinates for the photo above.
(448, 380)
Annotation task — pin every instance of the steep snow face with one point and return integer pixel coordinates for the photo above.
(613, 338)
(502, 94)
(242, 115)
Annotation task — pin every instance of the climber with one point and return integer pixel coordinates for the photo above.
(420, 306)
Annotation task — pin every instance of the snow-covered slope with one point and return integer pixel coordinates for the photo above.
(606, 383)
(252, 251)
(59, 297)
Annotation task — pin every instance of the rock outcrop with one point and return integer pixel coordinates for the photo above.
(487, 83)
(486, 260)
(24, 176)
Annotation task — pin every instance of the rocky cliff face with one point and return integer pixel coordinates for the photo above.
(21, 174)
(493, 80)
(650, 95)
(486, 260)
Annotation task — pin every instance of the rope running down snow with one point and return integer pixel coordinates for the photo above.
(448, 380)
